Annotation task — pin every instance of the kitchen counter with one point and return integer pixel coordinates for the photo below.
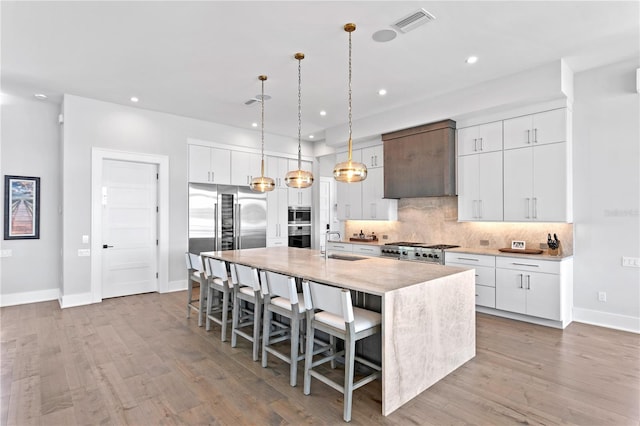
(428, 311)
(496, 252)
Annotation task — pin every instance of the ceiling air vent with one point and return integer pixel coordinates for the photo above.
(413, 21)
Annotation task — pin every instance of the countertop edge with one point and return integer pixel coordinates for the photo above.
(496, 252)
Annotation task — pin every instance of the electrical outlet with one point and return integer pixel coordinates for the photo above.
(484, 242)
(385, 237)
(85, 239)
(84, 252)
(602, 296)
(632, 262)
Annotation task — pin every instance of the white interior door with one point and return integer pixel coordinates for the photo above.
(129, 228)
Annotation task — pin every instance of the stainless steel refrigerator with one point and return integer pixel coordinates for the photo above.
(225, 217)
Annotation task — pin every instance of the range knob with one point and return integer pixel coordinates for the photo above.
(435, 256)
(424, 255)
(430, 255)
(418, 254)
(404, 253)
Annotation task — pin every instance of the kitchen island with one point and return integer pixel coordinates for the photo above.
(428, 311)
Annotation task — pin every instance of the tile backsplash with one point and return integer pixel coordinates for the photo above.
(434, 220)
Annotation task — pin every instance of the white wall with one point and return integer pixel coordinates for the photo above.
(607, 195)
(90, 123)
(30, 147)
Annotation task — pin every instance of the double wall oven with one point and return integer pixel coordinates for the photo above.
(300, 227)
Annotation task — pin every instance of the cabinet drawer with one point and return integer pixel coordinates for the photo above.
(367, 250)
(470, 259)
(347, 248)
(485, 275)
(486, 296)
(529, 265)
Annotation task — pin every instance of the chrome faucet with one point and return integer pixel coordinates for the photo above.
(326, 242)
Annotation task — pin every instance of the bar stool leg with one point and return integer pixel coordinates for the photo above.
(349, 365)
(225, 315)
(295, 337)
(257, 316)
(235, 319)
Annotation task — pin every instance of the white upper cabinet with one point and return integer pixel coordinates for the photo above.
(373, 156)
(482, 138)
(244, 167)
(535, 184)
(536, 129)
(209, 165)
(480, 187)
(276, 168)
(277, 218)
(374, 206)
(299, 197)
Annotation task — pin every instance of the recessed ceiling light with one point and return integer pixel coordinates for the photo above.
(311, 136)
(382, 92)
(323, 113)
(134, 99)
(383, 36)
(40, 96)
(471, 59)
(254, 124)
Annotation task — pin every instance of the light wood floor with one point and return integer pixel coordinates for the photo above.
(137, 360)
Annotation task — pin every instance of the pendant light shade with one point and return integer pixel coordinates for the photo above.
(350, 171)
(262, 183)
(299, 178)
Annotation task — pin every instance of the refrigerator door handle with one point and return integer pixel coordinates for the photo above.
(216, 241)
(238, 230)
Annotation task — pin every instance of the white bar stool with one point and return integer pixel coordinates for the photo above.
(218, 282)
(340, 319)
(246, 287)
(195, 274)
(281, 297)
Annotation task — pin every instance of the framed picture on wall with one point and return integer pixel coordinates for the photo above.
(21, 207)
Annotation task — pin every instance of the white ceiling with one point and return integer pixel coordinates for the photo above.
(202, 59)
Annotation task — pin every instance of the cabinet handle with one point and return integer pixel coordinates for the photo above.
(528, 136)
(474, 209)
(481, 145)
(376, 157)
(520, 275)
(480, 209)
(535, 207)
(468, 258)
(525, 264)
(208, 176)
(528, 282)
(475, 145)
(535, 135)
(372, 163)
(526, 208)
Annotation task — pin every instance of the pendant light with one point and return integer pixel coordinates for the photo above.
(350, 171)
(299, 178)
(262, 183)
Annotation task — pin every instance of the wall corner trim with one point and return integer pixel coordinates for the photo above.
(72, 300)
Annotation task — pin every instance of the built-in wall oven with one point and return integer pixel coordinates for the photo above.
(299, 215)
(300, 236)
(300, 227)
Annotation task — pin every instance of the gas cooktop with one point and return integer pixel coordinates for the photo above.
(423, 245)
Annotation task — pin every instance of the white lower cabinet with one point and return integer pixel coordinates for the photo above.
(341, 247)
(372, 250)
(485, 274)
(534, 287)
(527, 289)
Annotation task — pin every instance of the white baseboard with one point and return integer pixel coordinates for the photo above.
(606, 319)
(525, 318)
(71, 300)
(178, 285)
(13, 299)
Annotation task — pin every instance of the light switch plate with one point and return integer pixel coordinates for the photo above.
(84, 252)
(6, 253)
(85, 239)
(633, 262)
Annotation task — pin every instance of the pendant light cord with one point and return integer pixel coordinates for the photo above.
(262, 127)
(350, 142)
(299, 113)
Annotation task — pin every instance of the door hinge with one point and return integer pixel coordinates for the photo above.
(156, 275)
(157, 176)
(156, 242)
(157, 209)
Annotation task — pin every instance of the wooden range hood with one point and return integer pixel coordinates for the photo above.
(420, 161)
